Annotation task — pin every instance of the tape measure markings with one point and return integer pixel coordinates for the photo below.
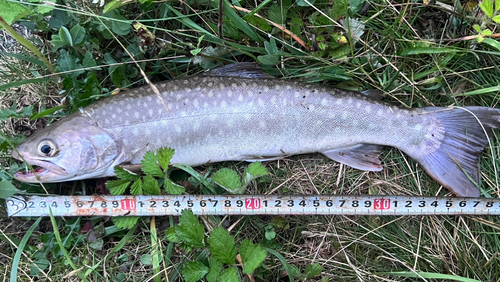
(248, 205)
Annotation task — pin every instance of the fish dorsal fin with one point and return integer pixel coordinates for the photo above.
(360, 156)
(244, 70)
(373, 94)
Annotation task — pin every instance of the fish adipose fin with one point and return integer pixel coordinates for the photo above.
(244, 70)
(360, 156)
(455, 163)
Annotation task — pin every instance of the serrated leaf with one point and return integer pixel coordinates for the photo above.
(229, 275)
(190, 230)
(150, 186)
(136, 188)
(12, 11)
(339, 10)
(69, 64)
(268, 60)
(256, 169)
(7, 189)
(117, 187)
(486, 32)
(172, 188)
(252, 255)
(275, 13)
(227, 178)
(271, 47)
(164, 155)
(77, 34)
(312, 270)
(125, 222)
(194, 271)
(215, 269)
(12, 112)
(124, 174)
(222, 246)
(171, 236)
(487, 7)
(150, 166)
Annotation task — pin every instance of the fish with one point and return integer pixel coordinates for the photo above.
(239, 113)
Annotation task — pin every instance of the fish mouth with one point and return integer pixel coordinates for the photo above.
(43, 171)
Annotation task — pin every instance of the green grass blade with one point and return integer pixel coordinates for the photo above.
(155, 250)
(25, 58)
(22, 82)
(427, 50)
(239, 22)
(429, 275)
(286, 265)
(20, 248)
(480, 91)
(48, 112)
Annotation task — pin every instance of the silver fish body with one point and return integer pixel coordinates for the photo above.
(210, 119)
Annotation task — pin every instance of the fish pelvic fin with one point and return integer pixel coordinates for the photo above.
(455, 163)
(359, 156)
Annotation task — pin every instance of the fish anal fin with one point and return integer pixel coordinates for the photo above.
(360, 156)
(244, 70)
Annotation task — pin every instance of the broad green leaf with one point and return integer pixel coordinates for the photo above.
(227, 178)
(492, 42)
(222, 246)
(339, 10)
(124, 174)
(229, 275)
(268, 60)
(271, 47)
(477, 28)
(190, 230)
(136, 188)
(496, 18)
(146, 259)
(164, 155)
(258, 22)
(487, 7)
(150, 186)
(117, 187)
(172, 188)
(12, 112)
(304, 3)
(88, 60)
(215, 269)
(296, 25)
(69, 64)
(256, 169)
(486, 32)
(150, 166)
(356, 5)
(65, 36)
(312, 270)
(497, 5)
(12, 11)
(172, 236)
(77, 34)
(194, 271)
(276, 14)
(7, 189)
(252, 256)
(44, 7)
(125, 222)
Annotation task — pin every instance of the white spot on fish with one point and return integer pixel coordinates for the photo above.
(288, 87)
(358, 105)
(277, 87)
(368, 109)
(188, 90)
(262, 124)
(223, 104)
(177, 128)
(229, 93)
(113, 116)
(136, 114)
(176, 87)
(418, 127)
(196, 103)
(221, 86)
(210, 93)
(215, 103)
(234, 84)
(210, 84)
(150, 112)
(349, 101)
(178, 97)
(196, 125)
(243, 84)
(205, 105)
(149, 98)
(338, 102)
(398, 115)
(344, 115)
(324, 102)
(163, 84)
(296, 94)
(260, 102)
(197, 88)
(160, 111)
(176, 107)
(119, 110)
(380, 112)
(218, 94)
(204, 80)
(266, 88)
(240, 98)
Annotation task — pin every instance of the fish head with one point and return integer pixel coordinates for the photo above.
(71, 149)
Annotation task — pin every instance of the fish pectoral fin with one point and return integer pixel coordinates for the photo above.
(263, 159)
(360, 156)
(135, 168)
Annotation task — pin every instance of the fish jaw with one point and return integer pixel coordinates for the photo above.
(44, 172)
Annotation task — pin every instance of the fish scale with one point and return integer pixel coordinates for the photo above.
(212, 118)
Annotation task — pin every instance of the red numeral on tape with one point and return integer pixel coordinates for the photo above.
(381, 204)
(128, 204)
(252, 204)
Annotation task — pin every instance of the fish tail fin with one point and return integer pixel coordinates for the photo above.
(454, 147)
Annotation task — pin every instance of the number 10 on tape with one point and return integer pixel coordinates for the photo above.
(247, 205)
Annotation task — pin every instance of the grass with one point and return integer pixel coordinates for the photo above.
(411, 51)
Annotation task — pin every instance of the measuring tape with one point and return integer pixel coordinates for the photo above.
(247, 205)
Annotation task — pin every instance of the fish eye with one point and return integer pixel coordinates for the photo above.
(47, 148)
